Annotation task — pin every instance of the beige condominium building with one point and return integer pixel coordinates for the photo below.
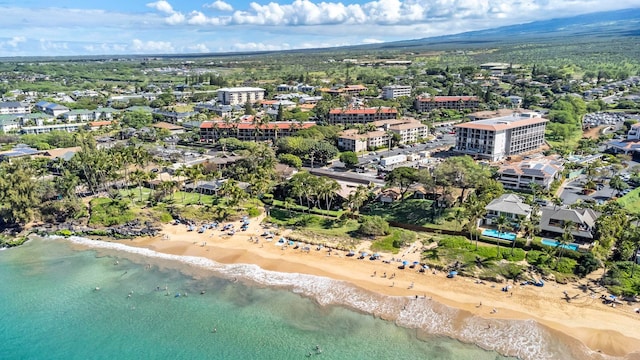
(240, 95)
(394, 91)
(428, 103)
(410, 131)
(496, 138)
(361, 116)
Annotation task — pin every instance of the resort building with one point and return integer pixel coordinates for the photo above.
(520, 175)
(497, 138)
(346, 90)
(428, 103)
(361, 116)
(211, 131)
(553, 220)
(510, 206)
(394, 91)
(410, 131)
(240, 95)
(8, 123)
(13, 107)
(79, 115)
(45, 128)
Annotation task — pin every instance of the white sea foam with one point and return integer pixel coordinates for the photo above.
(531, 341)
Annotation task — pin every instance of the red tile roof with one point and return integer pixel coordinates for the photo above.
(249, 126)
(100, 123)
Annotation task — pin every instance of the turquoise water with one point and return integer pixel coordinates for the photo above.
(51, 310)
(550, 242)
(496, 234)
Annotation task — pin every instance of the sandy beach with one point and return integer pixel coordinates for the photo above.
(604, 329)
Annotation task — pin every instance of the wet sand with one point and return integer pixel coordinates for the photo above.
(603, 329)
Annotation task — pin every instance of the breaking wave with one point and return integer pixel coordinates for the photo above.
(525, 339)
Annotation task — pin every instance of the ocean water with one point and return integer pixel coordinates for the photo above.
(50, 309)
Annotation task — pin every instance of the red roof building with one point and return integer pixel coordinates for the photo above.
(211, 131)
(428, 103)
(361, 116)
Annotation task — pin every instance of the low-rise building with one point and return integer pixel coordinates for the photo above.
(428, 103)
(45, 128)
(211, 131)
(52, 109)
(410, 131)
(520, 175)
(394, 91)
(497, 138)
(553, 221)
(13, 107)
(510, 206)
(79, 115)
(172, 128)
(361, 116)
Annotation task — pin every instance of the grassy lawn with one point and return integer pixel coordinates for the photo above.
(183, 108)
(414, 212)
(398, 237)
(107, 212)
(334, 213)
(631, 201)
(179, 198)
(571, 142)
(411, 211)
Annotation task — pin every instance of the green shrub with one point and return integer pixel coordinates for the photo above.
(373, 226)
(566, 265)
(64, 232)
(518, 254)
(253, 211)
(511, 271)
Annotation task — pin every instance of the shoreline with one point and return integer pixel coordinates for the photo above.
(599, 329)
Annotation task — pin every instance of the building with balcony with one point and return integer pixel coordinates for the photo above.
(211, 131)
(13, 107)
(52, 109)
(497, 138)
(520, 175)
(394, 91)
(361, 116)
(240, 95)
(459, 103)
(510, 206)
(410, 131)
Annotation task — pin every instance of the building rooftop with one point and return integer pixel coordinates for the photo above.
(240, 89)
(363, 111)
(447, 98)
(504, 122)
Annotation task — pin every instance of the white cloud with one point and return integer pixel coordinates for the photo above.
(372, 41)
(201, 48)
(157, 47)
(197, 18)
(161, 6)
(175, 19)
(219, 5)
(258, 46)
(48, 45)
(16, 40)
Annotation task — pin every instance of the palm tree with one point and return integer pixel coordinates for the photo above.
(566, 238)
(139, 177)
(503, 223)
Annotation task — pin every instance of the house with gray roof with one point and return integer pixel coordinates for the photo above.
(52, 109)
(8, 123)
(542, 171)
(509, 205)
(13, 107)
(79, 115)
(553, 220)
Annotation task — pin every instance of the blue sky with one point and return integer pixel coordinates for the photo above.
(73, 27)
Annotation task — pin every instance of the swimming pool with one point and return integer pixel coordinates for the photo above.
(550, 242)
(496, 234)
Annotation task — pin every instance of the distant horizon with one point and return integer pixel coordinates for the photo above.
(163, 28)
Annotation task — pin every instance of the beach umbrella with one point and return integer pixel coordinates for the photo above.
(613, 297)
(364, 253)
(416, 262)
(425, 266)
(376, 255)
(405, 262)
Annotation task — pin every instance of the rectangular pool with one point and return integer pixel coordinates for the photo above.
(496, 234)
(550, 242)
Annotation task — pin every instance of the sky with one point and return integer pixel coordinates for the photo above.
(90, 27)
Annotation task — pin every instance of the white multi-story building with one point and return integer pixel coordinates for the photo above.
(394, 91)
(542, 171)
(13, 107)
(500, 137)
(240, 95)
